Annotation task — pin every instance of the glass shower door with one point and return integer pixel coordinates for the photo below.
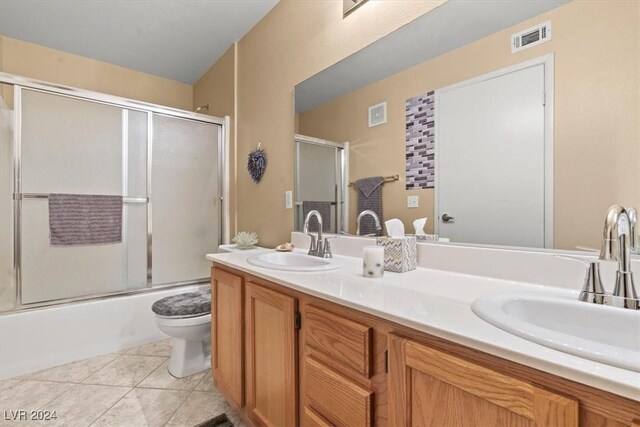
(185, 198)
(70, 145)
(319, 179)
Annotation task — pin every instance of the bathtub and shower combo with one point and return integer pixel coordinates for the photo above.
(61, 304)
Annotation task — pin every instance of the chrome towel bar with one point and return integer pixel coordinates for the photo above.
(23, 196)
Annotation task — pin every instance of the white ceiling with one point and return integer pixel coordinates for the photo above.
(177, 39)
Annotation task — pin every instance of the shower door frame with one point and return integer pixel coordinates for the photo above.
(20, 83)
(341, 173)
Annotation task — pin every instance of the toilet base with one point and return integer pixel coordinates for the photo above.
(189, 357)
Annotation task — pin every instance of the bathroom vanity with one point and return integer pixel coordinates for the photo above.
(333, 348)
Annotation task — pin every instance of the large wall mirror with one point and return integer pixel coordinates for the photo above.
(508, 123)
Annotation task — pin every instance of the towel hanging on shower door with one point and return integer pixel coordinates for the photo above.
(84, 219)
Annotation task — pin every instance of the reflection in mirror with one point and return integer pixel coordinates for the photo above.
(321, 168)
(515, 126)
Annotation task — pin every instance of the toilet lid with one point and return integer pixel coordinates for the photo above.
(187, 304)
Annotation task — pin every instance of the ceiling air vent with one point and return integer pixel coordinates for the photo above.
(531, 37)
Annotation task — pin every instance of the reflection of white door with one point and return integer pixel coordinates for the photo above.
(491, 159)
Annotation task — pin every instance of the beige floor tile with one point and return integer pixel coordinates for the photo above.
(143, 407)
(75, 372)
(28, 396)
(207, 383)
(126, 371)
(157, 348)
(161, 378)
(84, 403)
(9, 383)
(201, 406)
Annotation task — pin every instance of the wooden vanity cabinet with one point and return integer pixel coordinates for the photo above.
(254, 348)
(227, 334)
(284, 358)
(428, 387)
(271, 356)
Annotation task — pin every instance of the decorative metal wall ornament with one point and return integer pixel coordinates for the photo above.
(257, 163)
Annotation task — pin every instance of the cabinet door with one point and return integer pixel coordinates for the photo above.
(271, 356)
(226, 335)
(430, 388)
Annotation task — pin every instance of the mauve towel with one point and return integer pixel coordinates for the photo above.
(325, 212)
(84, 219)
(370, 198)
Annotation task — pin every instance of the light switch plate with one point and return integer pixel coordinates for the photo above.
(412, 202)
(288, 199)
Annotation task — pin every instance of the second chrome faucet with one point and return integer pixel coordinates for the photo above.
(617, 241)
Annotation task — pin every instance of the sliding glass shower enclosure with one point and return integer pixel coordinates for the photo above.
(167, 164)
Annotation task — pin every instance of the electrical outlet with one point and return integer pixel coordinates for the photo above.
(412, 202)
(288, 199)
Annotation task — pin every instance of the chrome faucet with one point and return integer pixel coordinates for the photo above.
(634, 236)
(316, 244)
(375, 218)
(318, 247)
(616, 246)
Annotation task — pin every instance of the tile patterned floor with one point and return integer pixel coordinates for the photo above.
(126, 389)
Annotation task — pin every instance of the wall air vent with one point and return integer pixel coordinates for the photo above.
(378, 114)
(531, 37)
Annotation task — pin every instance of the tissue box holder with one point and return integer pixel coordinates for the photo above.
(399, 253)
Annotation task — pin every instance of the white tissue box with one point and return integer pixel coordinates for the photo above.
(400, 253)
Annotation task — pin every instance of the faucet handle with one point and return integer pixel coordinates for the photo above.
(313, 246)
(592, 291)
(634, 237)
(326, 251)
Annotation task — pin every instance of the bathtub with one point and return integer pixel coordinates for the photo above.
(42, 338)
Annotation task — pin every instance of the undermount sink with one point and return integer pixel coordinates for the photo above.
(558, 320)
(293, 261)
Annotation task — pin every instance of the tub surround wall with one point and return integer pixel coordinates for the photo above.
(42, 338)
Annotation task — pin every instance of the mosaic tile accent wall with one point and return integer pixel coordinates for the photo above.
(420, 141)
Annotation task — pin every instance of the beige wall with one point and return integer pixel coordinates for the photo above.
(42, 63)
(217, 87)
(294, 41)
(597, 114)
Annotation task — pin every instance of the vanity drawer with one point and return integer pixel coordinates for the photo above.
(345, 341)
(312, 419)
(334, 397)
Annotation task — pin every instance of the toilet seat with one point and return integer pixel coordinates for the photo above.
(189, 304)
(178, 321)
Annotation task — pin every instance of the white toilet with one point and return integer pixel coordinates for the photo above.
(187, 318)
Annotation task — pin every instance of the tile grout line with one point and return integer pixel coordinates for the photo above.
(114, 404)
(131, 386)
(179, 407)
(30, 378)
(152, 371)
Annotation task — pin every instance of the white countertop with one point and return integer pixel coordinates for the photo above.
(439, 303)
